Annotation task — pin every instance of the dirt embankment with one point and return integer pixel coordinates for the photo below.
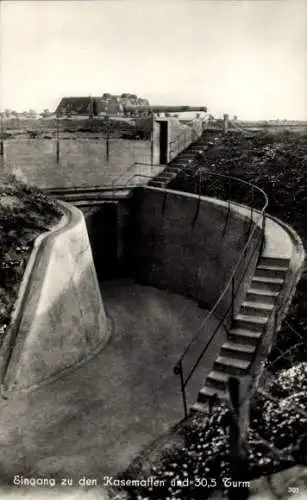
(25, 213)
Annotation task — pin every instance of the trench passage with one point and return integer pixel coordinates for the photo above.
(95, 420)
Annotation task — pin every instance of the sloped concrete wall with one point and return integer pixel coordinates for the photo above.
(186, 244)
(62, 321)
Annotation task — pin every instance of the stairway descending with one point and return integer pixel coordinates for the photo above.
(180, 163)
(247, 329)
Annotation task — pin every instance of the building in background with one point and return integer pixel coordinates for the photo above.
(107, 104)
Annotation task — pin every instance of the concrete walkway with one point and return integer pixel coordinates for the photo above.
(95, 420)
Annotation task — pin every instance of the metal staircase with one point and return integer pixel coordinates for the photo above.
(246, 332)
(179, 164)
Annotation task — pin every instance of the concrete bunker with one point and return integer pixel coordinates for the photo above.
(158, 255)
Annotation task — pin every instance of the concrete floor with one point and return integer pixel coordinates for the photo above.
(95, 420)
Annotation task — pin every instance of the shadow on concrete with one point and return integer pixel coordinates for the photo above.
(95, 420)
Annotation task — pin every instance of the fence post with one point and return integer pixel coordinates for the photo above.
(226, 123)
(263, 233)
(152, 141)
(238, 459)
(108, 139)
(179, 371)
(232, 298)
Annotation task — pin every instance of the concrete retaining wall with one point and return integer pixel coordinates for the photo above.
(180, 136)
(62, 321)
(186, 245)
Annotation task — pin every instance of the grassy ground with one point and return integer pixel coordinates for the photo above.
(24, 214)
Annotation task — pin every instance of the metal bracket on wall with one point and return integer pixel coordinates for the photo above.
(164, 202)
(197, 212)
(226, 220)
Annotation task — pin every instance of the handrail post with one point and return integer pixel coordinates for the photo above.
(108, 142)
(179, 371)
(263, 232)
(232, 298)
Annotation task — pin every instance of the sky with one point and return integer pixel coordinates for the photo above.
(246, 58)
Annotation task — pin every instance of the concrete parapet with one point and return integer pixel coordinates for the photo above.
(186, 243)
(61, 320)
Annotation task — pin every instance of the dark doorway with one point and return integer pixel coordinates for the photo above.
(102, 230)
(163, 142)
(95, 108)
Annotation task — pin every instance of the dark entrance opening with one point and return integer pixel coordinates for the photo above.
(163, 142)
(107, 227)
(102, 231)
(95, 108)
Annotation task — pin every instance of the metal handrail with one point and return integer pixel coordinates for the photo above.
(133, 165)
(229, 287)
(93, 189)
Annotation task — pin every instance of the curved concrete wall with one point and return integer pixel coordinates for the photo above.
(186, 245)
(62, 320)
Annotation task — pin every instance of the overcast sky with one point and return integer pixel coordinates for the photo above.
(247, 58)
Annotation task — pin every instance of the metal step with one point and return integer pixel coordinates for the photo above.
(197, 149)
(187, 154)
(206, 393)
(262, 296)
(260, 282)
(271, 271)
(256, 308)
(244, 336)
(185, 161)
(249, 322)
(199, 407)
(164, 177)
(178, 164)
(231, 365)
(239, 351)
(159, 184)
(217, 379)
(172, 169)
(272, 261)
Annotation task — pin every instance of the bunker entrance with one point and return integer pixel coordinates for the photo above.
(106, 226)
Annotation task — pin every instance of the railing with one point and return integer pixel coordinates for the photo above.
(134, 166)
(225, 306)
(114, 186)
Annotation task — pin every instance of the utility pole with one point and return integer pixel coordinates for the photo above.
(2, 137)
(91, 108)
(108, 139)
(57, 139)
(152, 141)
(226, 123)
